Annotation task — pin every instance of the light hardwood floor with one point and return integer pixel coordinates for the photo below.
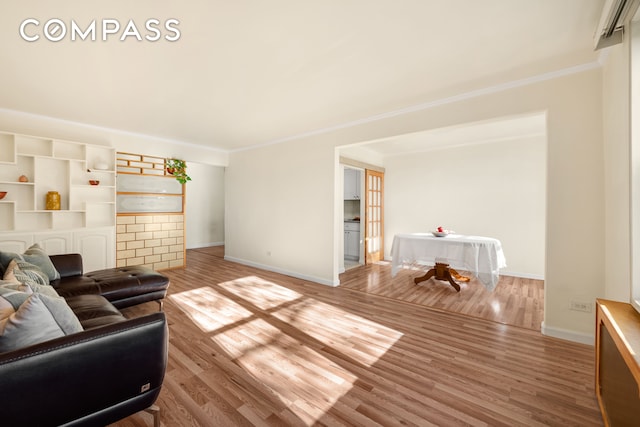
(255, 348)
(515, 301)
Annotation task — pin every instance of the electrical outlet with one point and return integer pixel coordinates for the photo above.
(587, 307)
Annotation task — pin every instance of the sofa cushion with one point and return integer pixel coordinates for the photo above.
(30, 318)
(94, 311)
(123, 286)
(34, 255)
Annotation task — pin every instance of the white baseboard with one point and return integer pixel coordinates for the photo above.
(203, 245)
(568, 335)
(522, 275)
(282, 271)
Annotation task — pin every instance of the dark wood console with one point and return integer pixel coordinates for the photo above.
(618, 363)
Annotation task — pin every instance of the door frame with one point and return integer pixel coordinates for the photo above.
(342, 163)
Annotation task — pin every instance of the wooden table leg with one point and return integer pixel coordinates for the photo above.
(459, 277)
(440, 271)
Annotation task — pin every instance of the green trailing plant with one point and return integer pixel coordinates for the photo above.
(177, 168)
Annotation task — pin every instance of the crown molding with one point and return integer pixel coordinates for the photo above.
(39, 117)
(434, 104)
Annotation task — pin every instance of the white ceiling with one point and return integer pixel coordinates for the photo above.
(249, 72)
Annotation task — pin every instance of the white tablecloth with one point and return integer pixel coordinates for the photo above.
(482, 256)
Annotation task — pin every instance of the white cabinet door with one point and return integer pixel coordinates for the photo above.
(351, 184)
(16, 243)
(55, 243)
(97, 247)
(352, 244)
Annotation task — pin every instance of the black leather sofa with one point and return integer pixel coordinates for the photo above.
(112, 369)
(122, 286)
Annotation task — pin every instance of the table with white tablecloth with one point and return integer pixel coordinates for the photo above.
(481, 256)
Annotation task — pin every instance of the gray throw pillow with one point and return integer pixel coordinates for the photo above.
(25, 273)
(27, 319)
(34, 255)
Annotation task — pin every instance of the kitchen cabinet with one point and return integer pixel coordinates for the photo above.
(352, 240)
(351, 184)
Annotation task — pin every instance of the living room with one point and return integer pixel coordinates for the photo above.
(282, 185)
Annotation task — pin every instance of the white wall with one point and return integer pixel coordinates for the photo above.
(635, 167)
(616, 154)
(205, 205)
(280, 209)
(296, 182)
(493, 189)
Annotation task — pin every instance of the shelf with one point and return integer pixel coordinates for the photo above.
(10, 172)
(33, 145)
(101, 171)
(69, 150)
(55, 165)
(52, 211)
(16, 183)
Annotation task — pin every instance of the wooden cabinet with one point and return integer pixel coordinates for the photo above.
(618, 363)
(352, 178)
(352, 240)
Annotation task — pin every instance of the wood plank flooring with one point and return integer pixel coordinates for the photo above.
(254, 348)
(515, 301)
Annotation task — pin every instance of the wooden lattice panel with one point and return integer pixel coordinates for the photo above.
(140, 164)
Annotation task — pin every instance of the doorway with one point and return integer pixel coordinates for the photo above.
(353, 205)
(363, 203)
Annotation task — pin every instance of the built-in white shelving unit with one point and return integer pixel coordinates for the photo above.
(56, 165)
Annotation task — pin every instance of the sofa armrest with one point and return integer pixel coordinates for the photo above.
(67, 264)
(94, 377)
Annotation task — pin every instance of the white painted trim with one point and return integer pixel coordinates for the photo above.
(437, 103)
(522, 275)
(568, 335)
(468, 144)
(111, 130)
(282, 271)
(205, 245)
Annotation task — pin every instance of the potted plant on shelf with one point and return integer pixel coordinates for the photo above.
(177, 168)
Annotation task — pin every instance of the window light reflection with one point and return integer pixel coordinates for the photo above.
(288, 341)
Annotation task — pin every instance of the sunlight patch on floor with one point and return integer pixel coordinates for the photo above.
(259, 292)
(251, 319)
(362, 340)
(209, 309)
